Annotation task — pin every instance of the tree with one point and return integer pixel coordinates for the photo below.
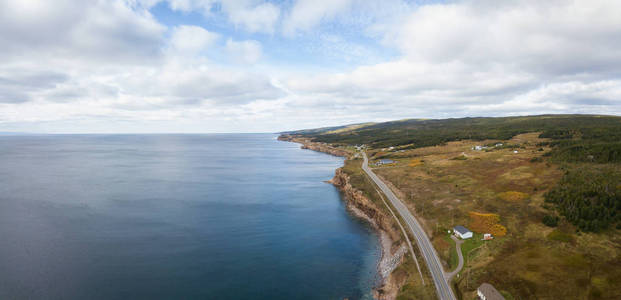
(550, 221)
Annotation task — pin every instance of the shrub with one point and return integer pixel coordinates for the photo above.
(415, 163)
(487, 223)
(550, 221)
(513, 196)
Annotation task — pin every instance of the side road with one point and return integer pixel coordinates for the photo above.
(460, 264)
(434, 265)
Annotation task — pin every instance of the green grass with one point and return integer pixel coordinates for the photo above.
(560, 236)
(453, 259)
(507, 295)
(471, 244)
(468, 246)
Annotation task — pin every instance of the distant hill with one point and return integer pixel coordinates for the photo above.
(417, 133)
(327, 130)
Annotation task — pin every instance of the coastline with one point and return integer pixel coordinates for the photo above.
(392, 248)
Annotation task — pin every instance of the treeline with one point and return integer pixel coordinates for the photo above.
(589, 198)
(586, 151)
(575, 138)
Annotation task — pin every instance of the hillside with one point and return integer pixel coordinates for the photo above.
(547, 187)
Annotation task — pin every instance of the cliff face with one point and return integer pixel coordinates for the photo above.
(363, 204)
(319, 147)
(393, 248)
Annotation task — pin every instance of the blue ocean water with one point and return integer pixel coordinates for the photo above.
(176, 217)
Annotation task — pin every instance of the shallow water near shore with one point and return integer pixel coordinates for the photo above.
(240, 216)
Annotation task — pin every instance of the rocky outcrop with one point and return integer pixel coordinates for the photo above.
(393, 249)
(315, 146)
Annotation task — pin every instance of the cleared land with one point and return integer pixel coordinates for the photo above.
(550, 194)
(531, 259)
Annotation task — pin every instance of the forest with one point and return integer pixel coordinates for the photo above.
(588, 197)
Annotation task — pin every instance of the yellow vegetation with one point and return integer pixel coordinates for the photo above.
(415, 162)
(379, 154)
(487, 223)
(513, 196)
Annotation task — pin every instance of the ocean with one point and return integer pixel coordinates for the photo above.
(215, 216)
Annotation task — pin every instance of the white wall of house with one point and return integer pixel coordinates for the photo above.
(466, 235)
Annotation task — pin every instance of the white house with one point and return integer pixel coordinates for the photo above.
(384, 162)
(487, 292)
(462, 232)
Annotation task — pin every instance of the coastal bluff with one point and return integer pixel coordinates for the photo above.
(358, 204)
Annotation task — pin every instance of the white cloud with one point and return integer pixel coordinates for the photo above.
(248, 52)
(89, 30)
(252, 16)
(487, 58)
(306, 14)
(543, 36)
(68, 63)
(191, 40)
(110, 56)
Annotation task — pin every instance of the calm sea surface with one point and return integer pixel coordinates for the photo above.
(176, 217)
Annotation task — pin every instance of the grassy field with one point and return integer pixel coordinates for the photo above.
(547, 187)
(532, 261)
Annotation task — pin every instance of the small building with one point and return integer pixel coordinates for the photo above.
(499, 145)
(385, 162)
(515, 151)
(487, 236)
(462, 232)
(487, 292)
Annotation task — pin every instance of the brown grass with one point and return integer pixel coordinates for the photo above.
(513, 196)
(528, 262)
(415, 163)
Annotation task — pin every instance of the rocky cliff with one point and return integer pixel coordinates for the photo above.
(308, 144)
(393, 248)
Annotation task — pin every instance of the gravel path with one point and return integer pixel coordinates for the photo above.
(460, 264)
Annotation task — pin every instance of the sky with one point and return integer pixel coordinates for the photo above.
(202, 66)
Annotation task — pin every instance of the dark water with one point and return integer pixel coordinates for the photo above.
(176, 217)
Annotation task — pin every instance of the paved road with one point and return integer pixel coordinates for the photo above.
(460, 264)
(434, 265)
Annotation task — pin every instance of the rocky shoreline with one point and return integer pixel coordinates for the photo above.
(362, 207)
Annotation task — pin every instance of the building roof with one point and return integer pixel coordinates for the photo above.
(386, 161)
(490, 292)
(461, 229)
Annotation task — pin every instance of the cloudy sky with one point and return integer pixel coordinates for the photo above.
(265, 66)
